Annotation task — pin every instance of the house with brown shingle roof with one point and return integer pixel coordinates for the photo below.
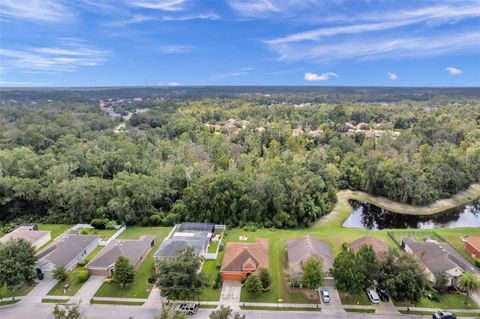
(28, 232)
(472, 245)
(242, 259)
(379, 247)
(301, 249)
(136, 250)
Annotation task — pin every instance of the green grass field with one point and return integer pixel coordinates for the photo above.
(18, 291)
(56, 230)
(209, 269)
(105, 234)
(447, 301)
(213, 246)
(348, 299)
(140, 288)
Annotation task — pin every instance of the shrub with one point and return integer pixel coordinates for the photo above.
(110, 224)
(82, 263)
(265, 278)
(477, 262)
(60, 273)
(221, 246)
(83, 275)
(219, 280)
(83, 231)
(215, 284)
(99, 223)
(253, 285)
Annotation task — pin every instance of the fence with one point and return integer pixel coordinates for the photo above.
(396, 235)
(114, 236)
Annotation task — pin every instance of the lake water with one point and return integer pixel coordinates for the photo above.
(372, 217)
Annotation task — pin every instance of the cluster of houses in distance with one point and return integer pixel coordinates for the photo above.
(241, 258)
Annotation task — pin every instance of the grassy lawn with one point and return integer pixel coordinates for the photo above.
(10, 302)
(105, 234)
(72, 279)
(110, 302)
(213, 246)
(279, 308)
(56, 230)
(209, 269)
(140, 288)
(19, 291)
(348, 299)
(360, 310)
(447, 301)
(429, 313)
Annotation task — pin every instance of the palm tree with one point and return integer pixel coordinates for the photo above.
(469, 282)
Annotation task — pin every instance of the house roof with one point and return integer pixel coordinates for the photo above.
(473, 241)
(245, 256)
(438, 256)
(133, 249)
(301, 249)
(379, 247)
(201, 227)
(170, 247)
(65, 249)
(26, 232)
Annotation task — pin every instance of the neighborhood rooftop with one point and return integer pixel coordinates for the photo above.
(379, 247)
(133, 249)
(26, 232)
(301, 249)
(245, 256)
(65, 249)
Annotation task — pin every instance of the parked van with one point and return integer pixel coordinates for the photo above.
(373, 296)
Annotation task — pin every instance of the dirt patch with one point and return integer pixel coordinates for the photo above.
(307, 292)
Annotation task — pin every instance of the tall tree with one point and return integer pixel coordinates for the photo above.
(470, 283)
(253, 285)
(17, 259)
(347, 272)
(178, 278)
(123, 271)
(312, 274)
(265, 278)
(369, 265)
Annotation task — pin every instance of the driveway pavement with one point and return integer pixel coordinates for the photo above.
(88, 290)
(335, 304)
(386, 308)
(154, 299)
(230, 295)
(39, 291)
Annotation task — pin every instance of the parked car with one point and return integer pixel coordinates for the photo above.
(443, 315)
(188, 308)
(382, 294)
(325, 295)
(373, 296)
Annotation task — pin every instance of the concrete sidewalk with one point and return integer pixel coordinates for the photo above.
(88, 290)
(39, 291)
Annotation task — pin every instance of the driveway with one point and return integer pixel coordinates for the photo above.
(230, 295)
(88, 290)
(335, 304)
(386, 308)
(39, 292)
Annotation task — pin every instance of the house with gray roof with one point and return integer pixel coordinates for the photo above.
(438, 257)
(28, 232)
(66, 251)
(196, 235)
(301, 249)
(136, 250)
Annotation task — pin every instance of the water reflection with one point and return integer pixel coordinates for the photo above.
(372, 217)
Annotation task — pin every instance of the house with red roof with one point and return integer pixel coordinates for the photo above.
(242, 259)
(472, 245)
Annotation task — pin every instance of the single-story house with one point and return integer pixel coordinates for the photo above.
(379, 247)
(472, 245)
(28, 232)
(437, 257)
(301, 249)
(196, 235)
(242, 259)
(67, 250)
(136, 250)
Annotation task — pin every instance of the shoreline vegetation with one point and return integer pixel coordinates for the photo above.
(343, 209)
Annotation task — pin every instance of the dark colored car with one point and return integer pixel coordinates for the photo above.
(382, 294)
(443, 315)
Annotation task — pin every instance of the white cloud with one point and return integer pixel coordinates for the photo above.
(453, 71)
(253, 7)
(196, 16)
(392, 76)
(164, 5)
(319, 77)
(134, 19)
(53, 59)
(35, 10)
(173, 83)
(175, 49)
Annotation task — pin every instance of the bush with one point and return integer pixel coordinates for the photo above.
(82, 263)
(83, 231)
(110, 224)
(83, 275)
(99, 223)
(265, 278)
(477, 262)
(60, 273)
(219, 280)
(253, 285)
(151, 280)
(221, 246)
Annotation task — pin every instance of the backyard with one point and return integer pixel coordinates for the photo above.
(140, 288)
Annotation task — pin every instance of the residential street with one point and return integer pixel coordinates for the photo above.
(43, 311)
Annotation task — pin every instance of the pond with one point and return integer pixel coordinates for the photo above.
(368, 216)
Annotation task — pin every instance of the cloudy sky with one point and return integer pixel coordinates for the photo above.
(255, 42)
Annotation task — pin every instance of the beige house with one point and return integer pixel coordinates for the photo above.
(28, 232)
(136, 250)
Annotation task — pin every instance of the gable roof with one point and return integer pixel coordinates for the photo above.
(438, 256)
(379, 247)
(473, 241)
(245, 256)
(133, 249)
(301, 249)
(25, 232)
(65, 249)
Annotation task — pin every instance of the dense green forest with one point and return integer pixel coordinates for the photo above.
(234, 160)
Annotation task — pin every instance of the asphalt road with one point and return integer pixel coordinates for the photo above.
(43, 311)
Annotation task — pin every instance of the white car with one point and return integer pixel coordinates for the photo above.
(188, 308)
(325, 295)
(373, 296)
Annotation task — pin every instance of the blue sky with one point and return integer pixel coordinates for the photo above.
(239, 42)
